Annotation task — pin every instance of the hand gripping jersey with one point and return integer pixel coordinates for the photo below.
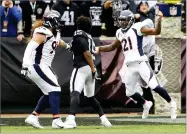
(44, 53)
(132, 42)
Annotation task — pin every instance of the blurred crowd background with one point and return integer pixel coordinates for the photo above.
(18, 16)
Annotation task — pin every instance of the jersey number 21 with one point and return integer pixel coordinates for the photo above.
(127, 44)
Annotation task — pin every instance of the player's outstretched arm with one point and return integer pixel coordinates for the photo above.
(108, 48)
(156, 30)
(65, 45)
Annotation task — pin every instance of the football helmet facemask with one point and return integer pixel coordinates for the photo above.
(126, 19)
(52, 20)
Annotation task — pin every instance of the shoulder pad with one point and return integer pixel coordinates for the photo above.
(80, 33)
(43, 30)
(118, 33)
(148, 23)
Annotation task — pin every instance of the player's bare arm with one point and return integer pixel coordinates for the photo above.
(63, 44)
(107, 48)
(88, 57)
(153, 31)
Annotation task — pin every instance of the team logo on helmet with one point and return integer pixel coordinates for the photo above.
(52, 19)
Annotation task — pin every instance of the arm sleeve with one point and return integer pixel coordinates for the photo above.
(132, 6)
(1, 11)
(28, 53)
(146, 23)
(54, 7)
(82, 43)
(117, 34)
(16, 13)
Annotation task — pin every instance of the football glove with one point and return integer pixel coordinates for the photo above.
(25, 71)
(68, 47)
(96, 76)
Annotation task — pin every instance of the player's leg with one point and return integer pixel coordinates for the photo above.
(131, 79)
(148, 76)
(54, 92)
(147, 91)
(48, 83)
(89, 92)
(76, 86)
(43, 102)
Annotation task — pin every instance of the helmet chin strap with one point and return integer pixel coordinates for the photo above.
(127, 28)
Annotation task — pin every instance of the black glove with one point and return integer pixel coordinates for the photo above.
(95, 75)
(24, 71)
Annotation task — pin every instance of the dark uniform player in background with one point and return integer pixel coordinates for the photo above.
(31, 11)
(69, 13)
(111, 11)
(93, 9)
(83, 75)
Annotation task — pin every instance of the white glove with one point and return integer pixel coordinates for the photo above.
(95, 75)
(68, 47)
(25, 71)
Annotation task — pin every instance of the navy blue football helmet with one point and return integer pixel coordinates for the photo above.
(126, 19)
(52, 19)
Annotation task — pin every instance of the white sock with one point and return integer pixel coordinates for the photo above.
(34, 116)
(103, 117)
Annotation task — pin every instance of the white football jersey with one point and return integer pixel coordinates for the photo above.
(132, 42)
(149, 40)
(44, 53)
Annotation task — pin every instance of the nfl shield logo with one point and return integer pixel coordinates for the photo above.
(173, 11)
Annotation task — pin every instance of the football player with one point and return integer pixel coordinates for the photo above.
(84, 72)
(130, 36)
(36, 65)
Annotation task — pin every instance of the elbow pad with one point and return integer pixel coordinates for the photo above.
(28, 53)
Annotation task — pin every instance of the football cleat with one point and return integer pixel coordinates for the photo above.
(70, 123)
(146, 108)
(57, 123)
(106, 123)
(33, 121)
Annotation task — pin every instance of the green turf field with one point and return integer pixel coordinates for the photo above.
(92, 124)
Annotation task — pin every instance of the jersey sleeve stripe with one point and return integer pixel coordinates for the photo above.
(43, 76)
(139, 42)
(39, 53)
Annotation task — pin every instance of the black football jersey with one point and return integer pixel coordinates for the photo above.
(81, 42)
(69, 14)
(94, 11)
